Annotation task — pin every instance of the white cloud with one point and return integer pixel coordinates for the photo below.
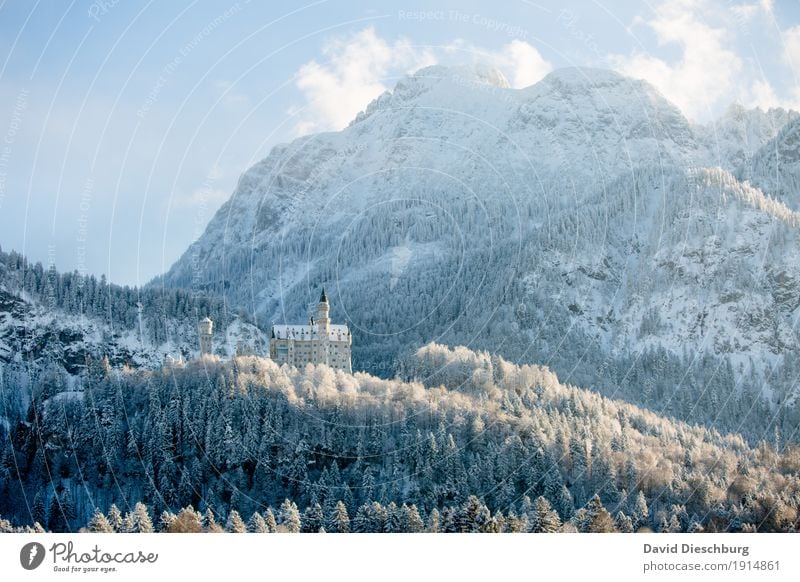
(762, 95)
(707, 70)
(710, 74)
(357, 69)
(526, 63)
(354, 75)
(746, 12)
(519, 61)
(791, 47)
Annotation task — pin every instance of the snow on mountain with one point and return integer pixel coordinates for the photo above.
(59, 324)
(448, 130)
(775, 167)
(581, 222)
(734, 139)
(31, 332)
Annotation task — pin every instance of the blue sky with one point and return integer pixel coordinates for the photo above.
(124, 125)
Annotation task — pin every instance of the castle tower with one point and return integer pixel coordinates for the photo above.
(139, 311)
(323, 312)
(204, 330)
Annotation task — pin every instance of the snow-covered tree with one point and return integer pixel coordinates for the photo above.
(339, 521)
(235, 523)
(544, 519)
(289, 518)
(99, 523)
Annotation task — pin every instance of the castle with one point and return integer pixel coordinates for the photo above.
(319, 342)
(205, 333)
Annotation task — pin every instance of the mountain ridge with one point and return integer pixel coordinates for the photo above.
(592, 200)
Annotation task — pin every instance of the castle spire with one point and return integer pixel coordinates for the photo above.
(323, 312)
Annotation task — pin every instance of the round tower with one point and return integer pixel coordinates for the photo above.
(323, 311)
(204, 331)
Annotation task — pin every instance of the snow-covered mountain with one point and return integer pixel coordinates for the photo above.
(734, 138)
(62, 324)
(775, 167)
(33, 332)
(581, 222)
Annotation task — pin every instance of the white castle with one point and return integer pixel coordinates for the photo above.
(319, 342)
(205, 331)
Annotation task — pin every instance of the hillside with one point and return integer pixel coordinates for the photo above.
(248, 436)
(581, 222)
(60, 324)
(775, 167)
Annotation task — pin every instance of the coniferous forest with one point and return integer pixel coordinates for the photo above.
(468, 442)
(473, 268)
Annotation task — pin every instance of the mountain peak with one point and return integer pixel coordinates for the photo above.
(579, 80)
(584, 76)
(480, 73)
(440, 84)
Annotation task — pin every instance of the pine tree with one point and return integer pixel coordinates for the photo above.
(564, 504)
(599, 520)
(370, 518)
(235, 523)
(516, 524)
(411, 520)
(166, 521)
(497, 523)
(339, 521)
(187, 521)
(313, 519)
(257, 524)
(58, 520)
(544, 519)
(579, 458)
(393, 518)
(38, 513)
(623, 523)
(433, 521)
(269, 519)
(115, 517)
(99, 523)
(211, 525)
(675, 525)
(361, 521)
(640, 514)
(474, 516)
(580, 521)
(663, 525)
(526, 507)
(289, 519)
(128, 523)
(141, 519)
(450, 520)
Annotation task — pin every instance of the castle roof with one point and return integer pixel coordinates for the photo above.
(323, 298)
(336, 332)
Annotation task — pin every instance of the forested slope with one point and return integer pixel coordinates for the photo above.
(249, 436)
